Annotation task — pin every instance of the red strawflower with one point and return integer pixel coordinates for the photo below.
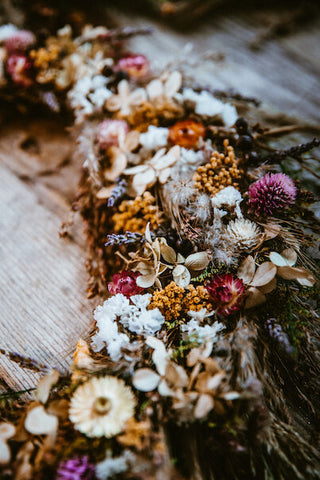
(125, 282)
(19, 68)
(272, 193)
(136, 66)
(109, 132)
(226, 293)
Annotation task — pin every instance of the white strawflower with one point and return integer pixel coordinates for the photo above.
(242, 233)
(101, 406)
(193, 331)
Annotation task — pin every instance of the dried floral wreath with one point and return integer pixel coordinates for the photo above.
(203, 360)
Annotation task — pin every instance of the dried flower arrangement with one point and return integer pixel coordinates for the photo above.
(203, 361)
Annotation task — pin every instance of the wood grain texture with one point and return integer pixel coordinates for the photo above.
(42, 278)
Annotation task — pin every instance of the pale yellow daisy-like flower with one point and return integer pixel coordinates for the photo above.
(101, 406)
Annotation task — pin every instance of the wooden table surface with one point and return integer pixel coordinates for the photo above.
(42, 277)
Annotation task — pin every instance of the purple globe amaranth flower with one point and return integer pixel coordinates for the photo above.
(125, 282)
(272, 193)
(77, 468)
(20, 41)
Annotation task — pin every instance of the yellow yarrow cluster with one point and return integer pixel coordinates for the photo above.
(175, 302)
(222, 171)
(134, 215)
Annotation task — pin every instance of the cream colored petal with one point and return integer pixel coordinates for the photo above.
(173, 84)
(118, 166)
(302, 275)
(165, 390)
(157, 158)
(136, 169)
(197, 261)
(148, 233)
(290, 255)
(146, 281)
(7, 430)
(44, 386)
(246, 270)
(167, 160)
(145, 380)
(5, 454)
(264, 274)
(113, 103)
(278, 259)
(131, 140)
(146, 179)
(123, 88)
(181, 276)
(168, 253)
(176, 376)
(203, 406)
(154, 89)
(138, 97)
(105, 192)
(39, 422)
(163, 175)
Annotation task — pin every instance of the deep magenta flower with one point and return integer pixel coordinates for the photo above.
(136, 66)
(109, 132)
(125, 282)
(20, 41)
(272, 193)
(77, 468)
(19, 68)
(226, 293)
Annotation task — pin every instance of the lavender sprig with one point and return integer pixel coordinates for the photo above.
(25, 362)
(118, 192)
(127, 238)
(279, 336)
(293, 152)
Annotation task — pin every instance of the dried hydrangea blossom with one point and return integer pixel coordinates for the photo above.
(112, 466)
(154, 137)
(193, 332)
(101, 406)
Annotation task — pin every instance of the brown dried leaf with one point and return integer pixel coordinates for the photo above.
(254, 298)
(302, 275)
(44, 386)
(203, 406)
(197, 261)
(246, 270)
(264, 274)
(269, 287)
(176, 376)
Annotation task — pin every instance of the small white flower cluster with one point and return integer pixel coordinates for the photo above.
(206, 104)
(88, 95)
(154, 137)
(193, 331)
(133, 315)
(112, 466)
(6, 31)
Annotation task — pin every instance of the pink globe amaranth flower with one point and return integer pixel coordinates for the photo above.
(19, 68)
(109, 132)
(136, 66)
(77, 468)
(20, 41)
(226, 293)
(125, 282)
(272, 193)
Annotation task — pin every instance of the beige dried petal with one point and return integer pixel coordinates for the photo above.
(168, 160)
(230, 396)
(147, 233)
(271, 231)
(215, 381)
(154, 89)
(290, 255)
(176, 376)
(105, 192)
(302, 275)
(165, 390)
(146, 281)
(113, 103)
(246, 270)
(163, 175)
(255, 298)
(197, 261)
(39, 422)
(5, 454)
(194, 356)
(203, 406)
(131, 141)
(157, 158)
(144, 180)
(181, 276)
(278, 259)
(136, 169)
(44, 386)
(173, 84)
(168, 253)
(203, 382)
(264, 274)
(137, 97)
(269, 287)
(7, 430)
(145, 380)
(118, 162)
